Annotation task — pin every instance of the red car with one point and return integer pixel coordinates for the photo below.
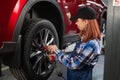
(27, 26)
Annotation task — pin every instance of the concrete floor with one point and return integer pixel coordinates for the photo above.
(97, 71)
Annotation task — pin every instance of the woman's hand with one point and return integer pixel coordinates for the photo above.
(52, 48)
(52, 57)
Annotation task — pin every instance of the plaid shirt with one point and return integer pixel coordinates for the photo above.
(83, 54)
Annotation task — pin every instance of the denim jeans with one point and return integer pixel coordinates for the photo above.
(80, 74)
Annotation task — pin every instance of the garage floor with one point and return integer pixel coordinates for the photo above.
(97, 71)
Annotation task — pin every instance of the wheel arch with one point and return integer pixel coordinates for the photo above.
(55, 16)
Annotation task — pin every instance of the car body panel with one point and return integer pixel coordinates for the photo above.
(10, 11)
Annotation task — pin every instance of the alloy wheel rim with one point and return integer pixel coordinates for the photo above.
(38, 55)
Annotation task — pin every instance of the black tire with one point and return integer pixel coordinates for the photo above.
(103, 33)
(35, 61)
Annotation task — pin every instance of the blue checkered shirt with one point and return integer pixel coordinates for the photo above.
(83, 54)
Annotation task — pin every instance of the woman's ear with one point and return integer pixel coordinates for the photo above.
(86, 22)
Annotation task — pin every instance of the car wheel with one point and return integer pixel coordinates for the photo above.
(35, 62)
(103, 34)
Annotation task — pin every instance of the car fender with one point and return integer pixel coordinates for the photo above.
(25, 9)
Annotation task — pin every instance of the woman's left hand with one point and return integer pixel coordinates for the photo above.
(52, 48)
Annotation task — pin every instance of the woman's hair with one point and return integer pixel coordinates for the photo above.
(91, 32)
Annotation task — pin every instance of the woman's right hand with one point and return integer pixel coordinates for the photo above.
(52, 57)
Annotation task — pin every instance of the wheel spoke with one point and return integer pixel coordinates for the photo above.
(50, 41)
(39, 68)
(49, 66)
(40, 37)
(35, 54)
(37, 61)
(35, 44)
(48, 63)
(46, 35)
